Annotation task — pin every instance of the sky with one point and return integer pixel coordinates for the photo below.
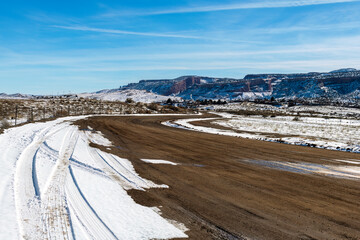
(57, 47)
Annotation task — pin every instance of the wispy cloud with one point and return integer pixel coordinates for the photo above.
(113, 56)
(322, 57)
(114, 31)
(302, 28)
(335, 48)
(43, 17)
(149, 34)
(237, 6)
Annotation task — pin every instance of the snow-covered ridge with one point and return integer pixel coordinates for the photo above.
(15, 96)
(122, 95)
(53, 185)
(105, 95)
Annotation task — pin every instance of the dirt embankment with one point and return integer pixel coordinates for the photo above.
(219, 195)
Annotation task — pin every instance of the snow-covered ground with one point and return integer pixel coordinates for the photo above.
(301, 110)
(186, 124)
(252, 95)
(53, 185)
(242, 106)
(326, 133)
(122, 95)
(335, 134)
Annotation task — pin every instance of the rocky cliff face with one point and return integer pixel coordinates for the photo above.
(182, 85)
(343, 84)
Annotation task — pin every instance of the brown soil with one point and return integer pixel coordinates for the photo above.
(219, 195)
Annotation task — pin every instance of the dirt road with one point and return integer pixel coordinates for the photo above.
(218, 194)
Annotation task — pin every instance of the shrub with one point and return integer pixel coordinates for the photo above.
(5, 123)
(129, 100)
(153, 106)
(173, 108)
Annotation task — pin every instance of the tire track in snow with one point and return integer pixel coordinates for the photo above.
(121, 173)
(26, 189)
(85, 214)
(45, 214)
(56, 219)
(112, 172)
(126, 177)
(54, 207)
(74, 162)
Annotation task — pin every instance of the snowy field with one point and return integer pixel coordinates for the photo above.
(55, 186)
(341, 134)
(301, 110)
(331, 133)
(330, 127)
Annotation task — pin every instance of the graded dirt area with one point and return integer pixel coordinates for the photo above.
(218, 194)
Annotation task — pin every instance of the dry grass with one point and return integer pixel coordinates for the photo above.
(42, 109)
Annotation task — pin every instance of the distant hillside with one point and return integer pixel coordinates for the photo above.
(15, 96)
(123, 94)
(342, 84)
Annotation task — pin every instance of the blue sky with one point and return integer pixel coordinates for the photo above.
(51, 47)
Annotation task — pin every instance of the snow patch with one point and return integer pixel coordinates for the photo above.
(156, 161)
(98, 138)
